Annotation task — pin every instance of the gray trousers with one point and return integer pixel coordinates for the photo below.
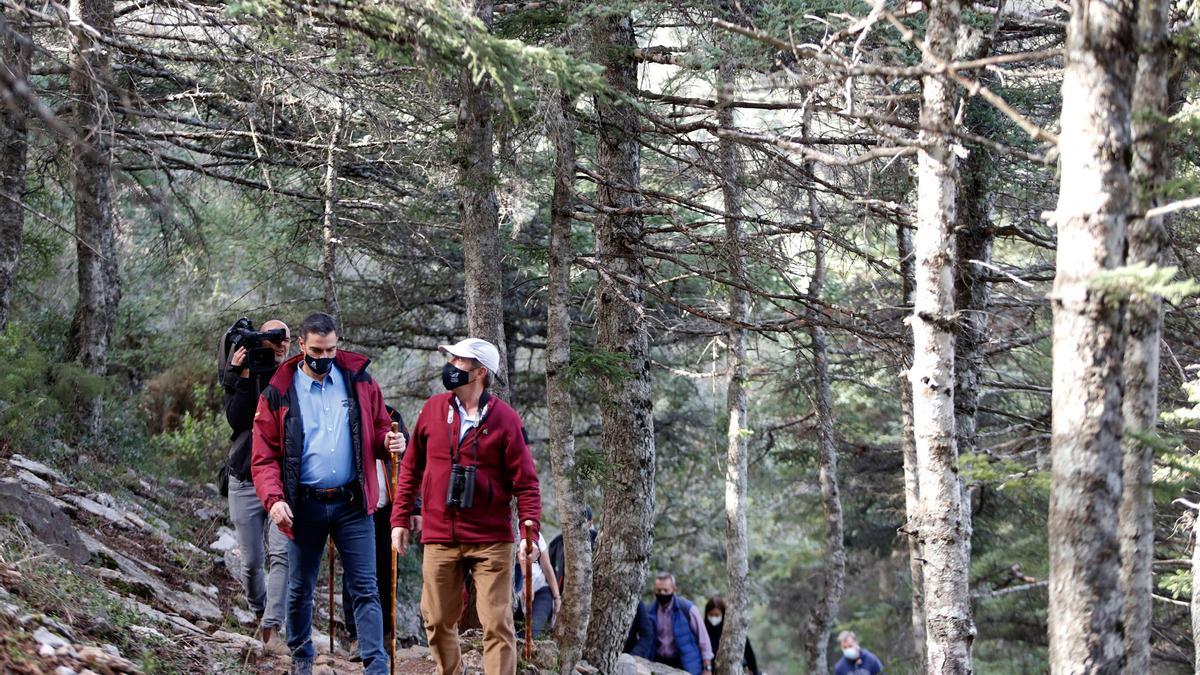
(266, 591)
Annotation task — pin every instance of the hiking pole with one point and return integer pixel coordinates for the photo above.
(395, 556)
(528, 591)
(331, 595)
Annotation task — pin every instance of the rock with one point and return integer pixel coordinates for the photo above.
(104, 662)
(209, 513)
(629, 664)
(32, 479)
(226, 540)
(244, 617)
(585, 668)
(233, 563)
(36, 468)
(146, 632)
(211, 592)
(97, 509)
(47, 522)
(47, 639)
(237, 640)
(194, 607)
(63, 670)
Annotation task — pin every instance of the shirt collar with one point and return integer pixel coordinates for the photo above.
(308, 381)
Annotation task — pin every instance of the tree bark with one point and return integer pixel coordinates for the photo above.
(908, 451)
(825, 611)
(737, 464)
(627, 423)
(14, 147)
(945, 534)
(1195, 599)
(329, 240)
(480, 213)
(1143, 330)
(1094, 198)
(95, 229)
(571, 630)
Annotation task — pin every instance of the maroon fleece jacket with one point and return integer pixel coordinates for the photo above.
(504, 469)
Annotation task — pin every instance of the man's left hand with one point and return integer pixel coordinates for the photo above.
(394, 442)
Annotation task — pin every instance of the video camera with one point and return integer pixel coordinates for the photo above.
(260, 357)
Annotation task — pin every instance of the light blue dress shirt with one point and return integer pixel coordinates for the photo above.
(328, 459)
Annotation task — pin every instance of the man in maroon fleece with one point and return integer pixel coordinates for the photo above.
(467, 427)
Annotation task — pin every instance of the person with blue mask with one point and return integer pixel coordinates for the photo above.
(855, 660)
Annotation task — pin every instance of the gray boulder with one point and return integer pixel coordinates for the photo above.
(47, 522)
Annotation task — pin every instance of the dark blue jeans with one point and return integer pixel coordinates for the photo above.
(353, 534)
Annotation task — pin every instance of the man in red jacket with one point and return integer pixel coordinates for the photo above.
(320, 426)
(469, 458)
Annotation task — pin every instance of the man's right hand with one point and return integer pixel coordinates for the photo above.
(281, 514)
(400, 540)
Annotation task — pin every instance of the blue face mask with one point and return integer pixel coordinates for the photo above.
(851, 654)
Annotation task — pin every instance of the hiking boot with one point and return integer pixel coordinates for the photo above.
(302, 667)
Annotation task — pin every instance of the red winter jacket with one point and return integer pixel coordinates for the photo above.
(278, 435)
(504, 469)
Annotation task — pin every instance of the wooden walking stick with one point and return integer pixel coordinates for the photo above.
(528, 569)
(331, 594)
(395, 556)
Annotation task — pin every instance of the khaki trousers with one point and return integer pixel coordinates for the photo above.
(491, 566)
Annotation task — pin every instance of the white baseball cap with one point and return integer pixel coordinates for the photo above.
(473, 348)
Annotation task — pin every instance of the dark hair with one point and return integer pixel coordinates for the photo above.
(587, 513)
(319, 323)
(714, 602)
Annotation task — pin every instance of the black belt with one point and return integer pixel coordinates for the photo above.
(345, 493)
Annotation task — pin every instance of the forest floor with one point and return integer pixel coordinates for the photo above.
(113, 571)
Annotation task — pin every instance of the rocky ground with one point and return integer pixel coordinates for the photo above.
(103, 574)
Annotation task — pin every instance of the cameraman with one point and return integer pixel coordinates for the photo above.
(266, 594)
(470, 458)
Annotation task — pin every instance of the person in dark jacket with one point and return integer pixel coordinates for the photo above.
(714, 623)
(855, 660)
(640, 641)
(680, 640)
(383, 549)
(266, 592)
(468, 440)
(320, 427)
(558, 554)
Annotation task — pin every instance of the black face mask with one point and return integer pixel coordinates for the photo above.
(665, 599)
(453, 378)
(319, 366)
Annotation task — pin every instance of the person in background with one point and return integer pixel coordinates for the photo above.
(714, 623)
(640, 641)
(547, 601)
(680, 640)
(557, 551)
(383, 550)
(265, 593)
(855, 660)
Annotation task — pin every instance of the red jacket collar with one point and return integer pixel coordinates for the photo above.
(351, 362)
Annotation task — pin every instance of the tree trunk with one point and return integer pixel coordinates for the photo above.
(328, 225)
(480, 214)
(825, 611)
(737, 466)
(627, 423)
(14, 146)
(908, 450)
(1094, 197)
(95, 229)
(972, 297)
(945, 535)
(1195, 604)
(571, 630)
(1143, 330)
